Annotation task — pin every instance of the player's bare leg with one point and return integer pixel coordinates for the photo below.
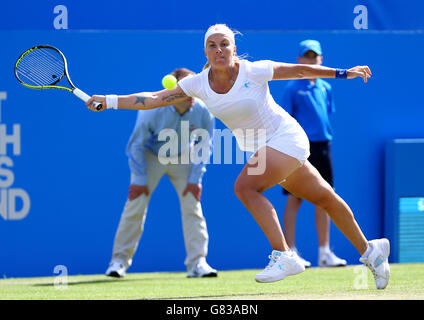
(249, 188)
(307, 183)
(289, 219)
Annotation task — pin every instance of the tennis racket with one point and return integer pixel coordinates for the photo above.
(43, 67)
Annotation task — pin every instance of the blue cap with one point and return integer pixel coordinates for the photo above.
(307, 45)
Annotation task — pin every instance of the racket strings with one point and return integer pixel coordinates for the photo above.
(56, 66)
(56, 62)
(32, 71)
(36, 73)
(29, 69)
(41, 67)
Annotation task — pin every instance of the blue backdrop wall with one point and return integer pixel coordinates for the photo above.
(193, 14)
(68, 164)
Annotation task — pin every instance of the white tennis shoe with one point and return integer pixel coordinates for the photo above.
(281, 265)
(329, 259)
(116, 270)
(305, 262)
(202, 270)
(376, 259)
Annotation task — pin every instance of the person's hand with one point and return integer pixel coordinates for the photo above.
(195, 189)
(359, 71)
(99, 99)
(135, 191)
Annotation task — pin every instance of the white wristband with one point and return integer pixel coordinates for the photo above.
(111, 101)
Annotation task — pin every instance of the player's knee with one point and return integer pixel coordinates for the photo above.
(238, 189)
(325, 199)
(241, 190)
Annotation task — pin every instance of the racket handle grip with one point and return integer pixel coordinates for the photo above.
(85, 97)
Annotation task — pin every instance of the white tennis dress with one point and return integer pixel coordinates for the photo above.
(249, 110)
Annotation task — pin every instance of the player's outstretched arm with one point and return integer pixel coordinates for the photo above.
(285, 71)
(139, 101)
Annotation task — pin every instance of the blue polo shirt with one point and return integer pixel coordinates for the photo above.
(311, 105)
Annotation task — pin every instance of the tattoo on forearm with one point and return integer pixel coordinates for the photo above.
(172, 97)
(140, 99)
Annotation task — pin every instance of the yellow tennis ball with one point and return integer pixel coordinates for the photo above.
(169, 82)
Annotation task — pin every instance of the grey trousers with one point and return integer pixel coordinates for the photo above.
(133, 216)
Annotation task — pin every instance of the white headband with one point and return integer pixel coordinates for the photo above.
(220, 29)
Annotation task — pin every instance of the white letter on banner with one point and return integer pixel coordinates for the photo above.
(14, 139)
(3, 96)
(13, 195)
(3, 203)
(7, 173)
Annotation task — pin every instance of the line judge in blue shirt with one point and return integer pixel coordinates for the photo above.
(147, 166)
(310, 102)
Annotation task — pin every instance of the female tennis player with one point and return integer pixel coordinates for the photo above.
(236, 92)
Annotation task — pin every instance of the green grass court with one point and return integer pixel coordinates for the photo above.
(406, 282)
